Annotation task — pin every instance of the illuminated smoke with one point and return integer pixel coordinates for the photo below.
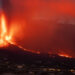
(43, 25)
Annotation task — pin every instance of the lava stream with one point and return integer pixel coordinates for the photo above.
(64, 55)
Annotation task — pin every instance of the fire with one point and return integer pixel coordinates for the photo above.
(4, 37)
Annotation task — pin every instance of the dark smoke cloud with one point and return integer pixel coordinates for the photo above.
(45, 24)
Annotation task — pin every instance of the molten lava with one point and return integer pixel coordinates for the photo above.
(64, 55)
(4, 37)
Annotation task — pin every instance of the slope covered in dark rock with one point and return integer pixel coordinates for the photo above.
(19, 56)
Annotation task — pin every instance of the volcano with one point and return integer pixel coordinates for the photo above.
(17, 55)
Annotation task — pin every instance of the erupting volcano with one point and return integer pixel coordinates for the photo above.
(34, 34)
(6, 38)
(36, 38)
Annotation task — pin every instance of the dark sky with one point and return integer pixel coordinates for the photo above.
(44, 24)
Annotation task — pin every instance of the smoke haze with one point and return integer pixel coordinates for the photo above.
(44, 24)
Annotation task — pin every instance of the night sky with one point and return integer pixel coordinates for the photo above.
(44, 25)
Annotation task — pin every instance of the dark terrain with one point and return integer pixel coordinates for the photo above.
(17, 61)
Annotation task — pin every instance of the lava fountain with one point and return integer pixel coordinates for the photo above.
(4, 37)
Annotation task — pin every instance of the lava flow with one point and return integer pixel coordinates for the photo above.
(64, 55)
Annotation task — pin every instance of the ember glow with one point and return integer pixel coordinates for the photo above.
(4, 37)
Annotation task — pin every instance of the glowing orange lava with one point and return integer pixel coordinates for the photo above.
(64, 55)
(4, 38)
